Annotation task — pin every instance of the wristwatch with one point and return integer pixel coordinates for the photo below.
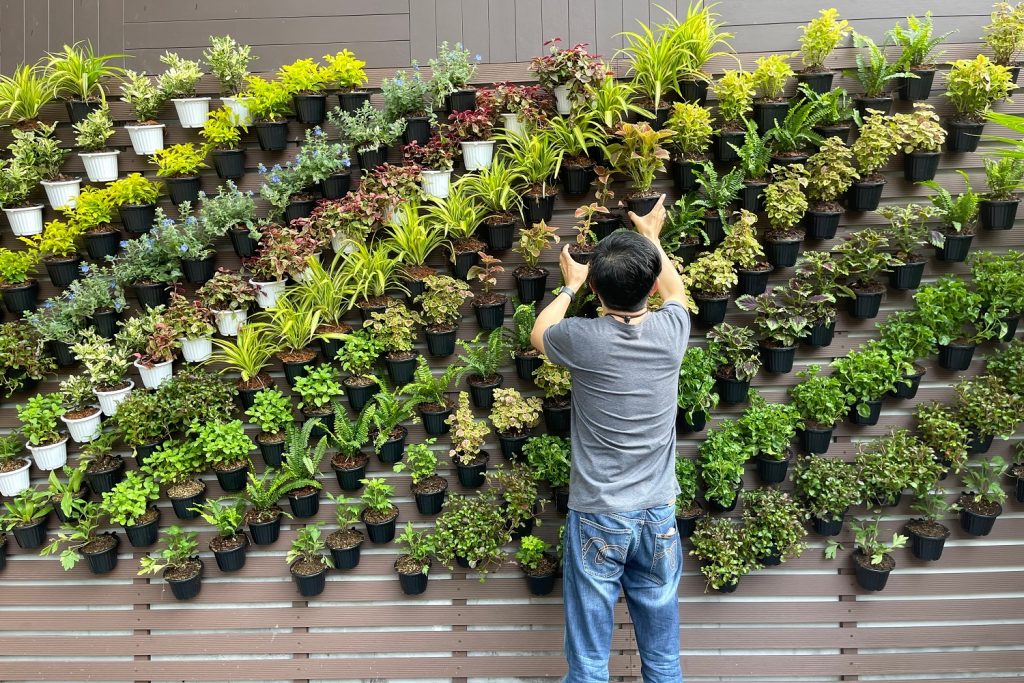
(567, 290)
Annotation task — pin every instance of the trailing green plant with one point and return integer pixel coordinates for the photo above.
(697, 394)
(723, 454)
(986, 407)
(130, 498)
(1008, 365)
(773, 524)
(474, 529)
(890, 465)
(820, 37)
(175, 464)
(724, 553)
(826, 486)
(974, 85)
(953, 312)
(79, 532)
(868, 373)
(686, 477)
(938, 428)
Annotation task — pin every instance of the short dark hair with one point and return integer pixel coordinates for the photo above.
(623, 270)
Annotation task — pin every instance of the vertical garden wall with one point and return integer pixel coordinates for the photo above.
(806, 619)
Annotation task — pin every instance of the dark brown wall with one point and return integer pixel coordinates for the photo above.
(806, 620)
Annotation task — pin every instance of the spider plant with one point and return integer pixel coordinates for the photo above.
(497, 188)
(655, 63)
(611, 101)
(325, 291)
(76, 72)
(368, 273)
(697, 37)
(574, 137)
(457, 216)
(412, 237)
(23, 94)
(292, 325)
(248, 354)
(535, 157)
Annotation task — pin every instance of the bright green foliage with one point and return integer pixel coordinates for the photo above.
(173, 463)
(826, 486)
(350, 435)
(768, 428)
(223, 129)
(452, 70)
(986, 407)
(418, 546)
(512, 414)
(130, 498)
(974, 85)
(38, 417)
(28, 507)
(377, 495)
(531, 551)
(718, 192)
(523, 319)
(225, 444)
(686, 477)
(301, 460)
(132, 190)
(182, 548)
(863, 256)
(938, 428)
(420, 460)
(309, 546)
(639, 154)
(179, 161)
(819, 398)
(69, 494)
(264, 491)
(1004, 176)
(229, 62)
(983, 480)
(722, 456)
(94, 130)
(485, 355)
(908, 227)
(180, 78)
(224, 514)
(867, 373)
(830, 171)
(820, 36)
(892, 464)
(1008, 365)
(691, 127)
(771, 74)
(721, 546)
(874, 71)
(697, 382)
(930, 503)
(303, 77)
(553, 380)
(79, 531)
(921, 129)
(38, 149)
(950, 309)
(344, 70)
(77, 72)
(143, 95)
(773, 524)
(755, 155)
(1005, 35)
(735, 91)
(550, 457)
(795, 132)
(785, 202)
(879, 140)
(907, 333)
(778, 315)
(317, 388)
(23, 94)
(917, 42)
(869, 545)
(268, 101)
(473, 528)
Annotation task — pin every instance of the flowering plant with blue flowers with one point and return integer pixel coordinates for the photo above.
(319, 158)
(188, 237)
(280, 184)
(452, 70)
(146, 260)
(55, 320)
(406, 95)
(96, 291)
(367, 128)
(229, 208)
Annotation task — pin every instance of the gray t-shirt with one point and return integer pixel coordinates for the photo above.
(625, 379)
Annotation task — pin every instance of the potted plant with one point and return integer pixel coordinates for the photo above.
(514, 417)
(657, 62)
(1005, 36)
(973, 86)
(92, 216)
(573, 138)
(555, 382)
(868, 373)
(282, 252)
(306, 81)
(1000, 283)
(639, 155)
(26, 516)
(688, 508)
(481, 363)
(524, 106)
(222, 132)
(227, 449)
(179, 166)
(890, 465)
(497, 189)
(395, 332)
(988, 409)
(81, 415)
(458, 216)
(710, 279)
(17, 180)
(440, 303)
(435, 159)
(24, 355)
(567, 72)
(178, 84)
(135, 198)
(178, 466)
(472, 129)
(451, 73)
(388, 433)
(468, 435)
(141, 422)
(293, 327)
(818, 39)
(103, 468)
(271, 411)
(769, 80)
(14, 474)
(68, 499)
(379, 514)
(536, 161)
(861, 258)
(795, 133)
(156, 363)
(908, 340)
(876, 75)
(697, 396)
(550, 458)
(691, 129)
(923, 136)
(39, 150)
(721, 546)
(768, 429)
(917, 57)
(19, 289)
(745, 252)
(92, 135)
(80, 539)
(735, 92)
(413, 566)
(834, 112)
(773, 525)
(755, 158)
(317, 390)
(953, 313)
(249, 355)
(820, 401)
(406, 96)
(998, 208)
(878, 141)
(830, 173)
(369, 132)
(531, 278)
(872, 559)
(308, 562)
(780, 323)
(908, 230)
(927, 535)
(74, 75)
(1016, 473)
(723, 454)
(357, 357)
(230, 544)
(229, 64)
(178, 563)
(190, 321)
(472, 532)
(106, 365)
(826, 487)
(428, 488)
(129, 504)
(785, 204)
(145, 98)
(1005, 365)
(269, 104)
(737, 359)
(264, 515)
(983, 496)
(349, 436)
(939, 428)
(228, 297)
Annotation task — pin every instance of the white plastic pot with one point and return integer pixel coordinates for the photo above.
(52, 456)
(110, 399)
(563, 102)
(147, 139)
(512, 124)
(84, 429)
(25, 220)
(342, 245)
(101, 167)
(196, 350)
(153, 377)
(14, 482)
(62, 194)
(477, 155)
(239, 107)
(228, 322)
(192, 111)
(437, 183)
(267, 293)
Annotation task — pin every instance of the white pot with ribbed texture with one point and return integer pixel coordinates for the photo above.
(196, 350)
(25, 220)
(239, 107)
(512, 124)
(437, 183)
(101, 167)
(267, 293)
(146, 139)
(110, 399)
(228, 322)
(192, 111)
(62, 194)
(153, 377)
(14, 482)
(52, 456)
(563, 101)
(477, 155)
(84, 429)
(342, 244)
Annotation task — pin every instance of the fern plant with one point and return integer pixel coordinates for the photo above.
(264, 491)
(483, 359)
(796, 131)
(427, 389)
(391, 409)
(755, 154)
(718, 191)
(874, 70)
(301, 461)
(349, 435)
(958, 212)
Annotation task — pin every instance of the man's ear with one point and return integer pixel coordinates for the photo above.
(653, 289)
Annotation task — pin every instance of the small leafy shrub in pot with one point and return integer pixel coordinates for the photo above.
(826, 487)
(721, 546)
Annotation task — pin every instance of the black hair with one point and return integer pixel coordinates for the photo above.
(623, 270)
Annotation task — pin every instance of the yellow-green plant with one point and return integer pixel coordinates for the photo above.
(76, 72)
(819, 37)
(735, 91)
(691, 130)
(712, 275)
(770, 76)
(879, 140)
(303, 77)
(974, 85)
(697, 38)
(344, 71)
(223, 129)
(23, 94)
(1005, 35)
(830, 171)
(785, 202)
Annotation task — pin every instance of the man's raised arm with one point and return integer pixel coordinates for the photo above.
(670, 285)
(574, 275)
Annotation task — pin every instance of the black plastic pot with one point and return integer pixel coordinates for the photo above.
(482, 395)
(752, 195)
(61, 353)
(927, 548)
(710, 312)
(434, 422)
(105, 560)
(472, 476)
(642, 206)
(353, 100)
(693, 90)
(441, 344)
(915, 89)
(412, 584)
(400, 371)
(462, 263)
(304, 507)
(137, 218)
(605, 224)
(31, 535)
(104, 323)
(461, 100)
(907, 276)
(392, 450)
(819, 82)
(791, 159)
(417, 129)
(538, 208)
(346, 558)
(872, 418)
(997, 215)
(954, 248)
(732, 391)
(575, 180)
(715, 507)
(359, 396)
(329, 348)
(246, 396)
(920, 166)
(310, 109)
(714, 229)
(336, 185)
(752, 282)
(841, 131)
(869, 578)
(431, 503)
(866, 104)
(79, 110)
(299, 209)
(21, 298)
(272, 453)
(782, 254)
(244, 245)
(233, 480)
(767, 115)
(721, 145)
(64, 271)
(690, 424)
(102, 481)
(814, 440)
(100, 245)
(977, 524)
(499, 236)
(829, 527)
(822, 225)
(186, 589)
(183, 189)
(143, 451)
(229, 163)
(350, 479)
(865, 305)
(272, 135)
(512, 446)
(906, 391)
(531, 289)
(778, 360)
(1019, 490)
(152, 295)
(490, 316)
(383, 532)
(312, 584)
(772, 471)
(864, 196)
(232, 560)
(540, 585)
(183, 506)
(142, 535)
(978, 443)
(198, 271)
(821, 335)
(956, 356)
(265, 533)
(526, 366)
(687, 525)
(296, 369)
(370, 159)
(557, 420)
(1012, 321)
(683, 177)
(963, 136)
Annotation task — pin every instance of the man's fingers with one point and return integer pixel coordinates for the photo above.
(661, 202)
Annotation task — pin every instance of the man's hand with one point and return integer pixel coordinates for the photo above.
(574, 274)
(650, 225)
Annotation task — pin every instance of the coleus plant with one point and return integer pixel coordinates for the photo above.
(779, 317)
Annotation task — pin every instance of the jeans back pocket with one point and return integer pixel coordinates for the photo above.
(604, 548)
(665, 564)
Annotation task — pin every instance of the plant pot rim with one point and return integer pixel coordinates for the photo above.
(139, 126)
(190, 99)
(107, 153)
(71, 181)
(22, 209)
(75, 420)
(131, 385)
(44, 446)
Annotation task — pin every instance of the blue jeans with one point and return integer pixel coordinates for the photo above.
(639, 551)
